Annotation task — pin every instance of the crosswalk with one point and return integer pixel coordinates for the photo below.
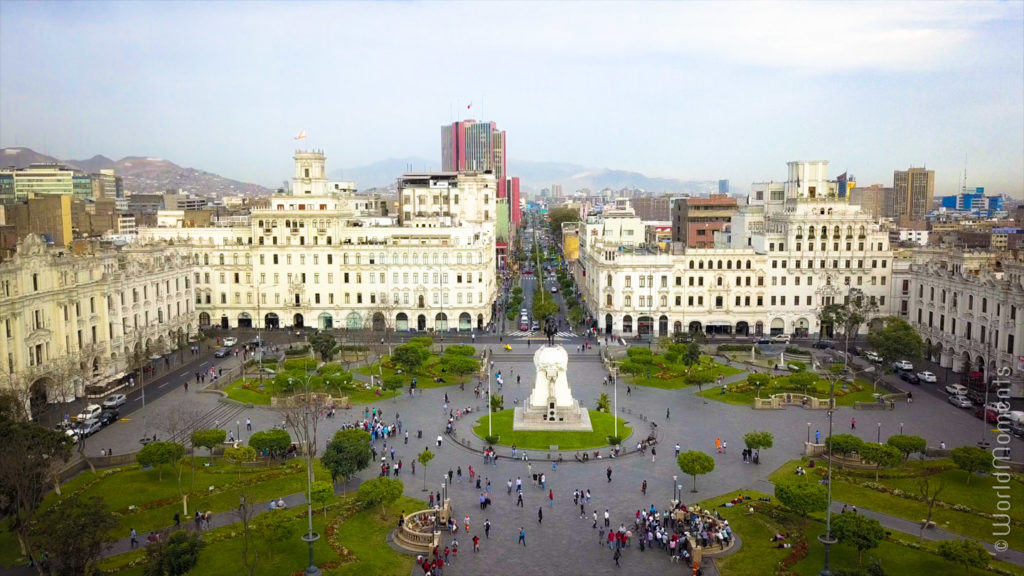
(540, 334)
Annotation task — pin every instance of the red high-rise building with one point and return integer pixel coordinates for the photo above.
(473, 146)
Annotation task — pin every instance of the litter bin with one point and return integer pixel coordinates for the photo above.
(419, 433)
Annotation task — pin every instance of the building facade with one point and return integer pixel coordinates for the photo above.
(473, 146)
(695, 221)
(912, 195)
(77, 321)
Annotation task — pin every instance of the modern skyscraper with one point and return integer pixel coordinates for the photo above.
(912, 195)
(723, 186)
(473, 146)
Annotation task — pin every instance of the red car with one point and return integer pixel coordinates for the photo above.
(990, 415)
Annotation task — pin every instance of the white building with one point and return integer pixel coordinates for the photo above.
(324, 256)
(795, 247)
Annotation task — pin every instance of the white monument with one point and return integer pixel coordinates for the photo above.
(551, 405)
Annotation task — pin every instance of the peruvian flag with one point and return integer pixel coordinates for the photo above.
(468, 106)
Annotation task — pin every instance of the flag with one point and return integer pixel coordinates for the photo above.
(300, 135)
(468, 106)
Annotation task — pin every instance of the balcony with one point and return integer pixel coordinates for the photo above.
(268, 231)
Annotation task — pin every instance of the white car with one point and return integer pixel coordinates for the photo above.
(926, 377)
(902, 365)
(115, 400)
(554, 289)
(89, 412)
(230, 341)
(873, 356)
(960, 401)
(956, 389)
(781, 338)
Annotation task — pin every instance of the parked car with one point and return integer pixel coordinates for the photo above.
(1017, 429)
(230, 341)
(89, 412)
(535, 326)
(873, 356)
(990, 415)
(926, 376)
(89, 427)
(960, 401)
(902, 365)
(956, 389)
(822, 345)
(114, 400)
(72, 433)
(108, 417)
(554, 289)
(764, 340)
(910, 377)
(781, 338)
(221, 352)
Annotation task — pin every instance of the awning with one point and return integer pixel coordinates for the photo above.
(723, 324)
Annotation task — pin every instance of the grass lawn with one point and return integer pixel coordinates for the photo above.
(602, 423)
(424, 376)
(673, 376)
(758, 555)
(846, 488)
(742, 394)
(248, 391)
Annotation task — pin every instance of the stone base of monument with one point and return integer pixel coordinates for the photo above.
(571, 419)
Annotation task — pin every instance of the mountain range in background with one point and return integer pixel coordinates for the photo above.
(534, 176)
(142, 175)
(145, 175)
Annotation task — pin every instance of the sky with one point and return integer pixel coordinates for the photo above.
(673, 89)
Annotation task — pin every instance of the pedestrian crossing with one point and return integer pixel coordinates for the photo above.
(539, 334)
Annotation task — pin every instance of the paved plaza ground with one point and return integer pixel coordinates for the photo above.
(564, 543)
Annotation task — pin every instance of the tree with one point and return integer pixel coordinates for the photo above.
(347, 453)
(459, 365)
(930, 489)
(859, 531)
(844, 444)
(907, 444)
(971, 459)
(881, 454)
(273, 443)
(459, 350)
(896, 340)
(497, 402)
(802, 497)
(74, 531)
(424, 458)
(324, 344)
(321, 493)
(273, 528)
(691, 355)
(699, 378)
(175, 557)
(966, 553)
(410, 357)
(803, 381)
(759, 440)
(603, 403)
(849, 316)
(544, 306)
(695, 463)
(559, 216)
(382, 491)
(208, 439)
(160, 454)
(758, 381)
(246, 513)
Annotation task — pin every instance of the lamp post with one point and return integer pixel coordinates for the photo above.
(674, 480)
(238, 430)
(309, 537)
(808, 432)
(826, 539)
(901, 428)
(879, 438)
(489, 433)
(615, 395)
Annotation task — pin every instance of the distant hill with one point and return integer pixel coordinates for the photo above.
(533, 176)
(142, 175)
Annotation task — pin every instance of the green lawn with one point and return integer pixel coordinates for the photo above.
(673, 376)
(757, 556)
(248, 392)
(424, 376)
(846, 489)
(743, 394)
(602, 423)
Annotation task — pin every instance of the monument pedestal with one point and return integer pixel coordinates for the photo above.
(551, 406)
(573, 419)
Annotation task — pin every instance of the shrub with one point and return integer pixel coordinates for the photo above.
(302, 364)
(738, 348)
(300, 351)
(492, 439)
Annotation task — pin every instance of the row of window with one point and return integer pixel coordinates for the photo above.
(968, 329)
(349, 277)
(956, 297)
(349, 298)
(740, 301)
(357, 259)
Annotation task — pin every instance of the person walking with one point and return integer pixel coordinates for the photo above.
(643, 488)
(817, 436)
(248, 424)
(725, 447)
(718, 445)
(607, 521)
(617, 555)
(853, 423)
(134, 539)
(654, 453)
(667, 413)
(595, 520)
(540, 515)
(608, 473)
(522, 536)
(551, 498)
(487, 528)
(519, 499)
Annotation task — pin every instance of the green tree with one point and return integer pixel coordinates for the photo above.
(74, 531)
(575, 315)
(425, 342)
(544, 306)
(410, 357)
(160, 454)
(347, 453)
(907, 445)
(273, 443)
(175, 557)
(603, 403)
(971, 459)
(897, 340)
(844, 444)
(424, 458)
(691, 355)
(497, 402)
(881, 454)
(803, 381)
(847, 318)
(459, 350)
(966, 553)
(559, 216)
(321, 493)
(803, 498)
(324, 344)
(459, 365)
(640, 354)
(695, 464)
(208, 439)
(759, 440)
(240, 455)
(272, 530)
(699, 378)
(379, 491)
(859, 531)
(758, 381)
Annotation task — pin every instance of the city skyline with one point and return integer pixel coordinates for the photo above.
(692, 91)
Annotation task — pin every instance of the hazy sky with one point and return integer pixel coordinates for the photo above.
(690, 90)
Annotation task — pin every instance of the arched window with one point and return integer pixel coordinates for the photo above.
(719, 264)
(691, 264)
(700, 265)
(628, 301)
(608, 300)
(719, 280)
(609, 282)
(221, 259)
(728, 264)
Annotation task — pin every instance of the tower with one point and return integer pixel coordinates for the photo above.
(310, 176)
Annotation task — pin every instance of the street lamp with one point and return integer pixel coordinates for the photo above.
(489, 433)
(808, 432)
(879, 439)
(901, 428)
(238, 430)
(615, 394)
(826, 539)
(674, 480)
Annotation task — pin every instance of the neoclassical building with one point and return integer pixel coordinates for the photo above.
(327, 257)
(967, 306)
(794, 247)
(77, 319)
